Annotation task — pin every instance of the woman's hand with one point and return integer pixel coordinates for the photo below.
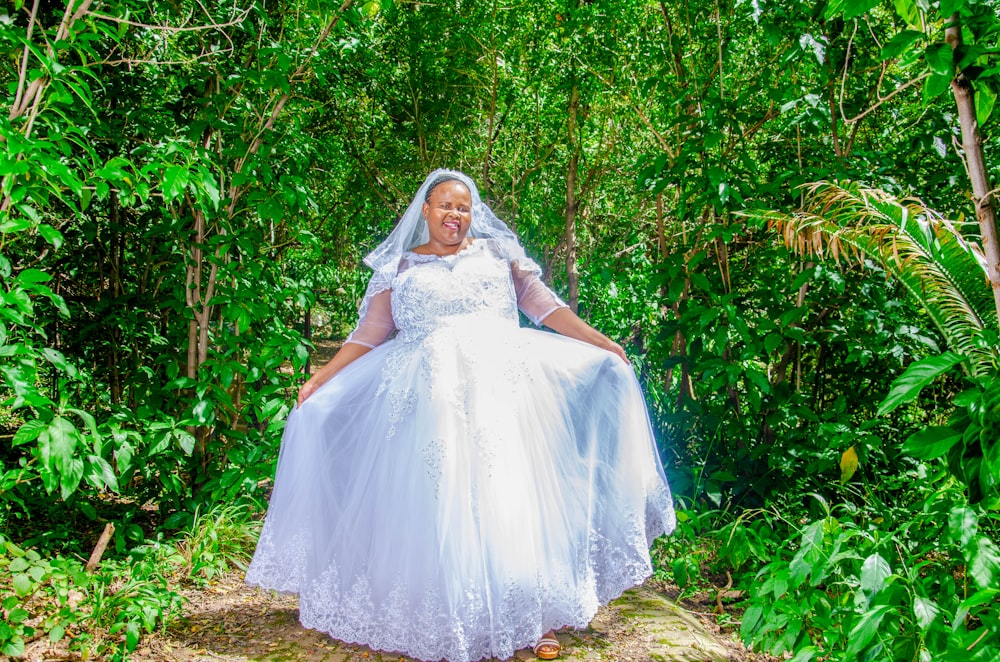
(566, 322)
(307, 389)
(347, 354)
(617, 350)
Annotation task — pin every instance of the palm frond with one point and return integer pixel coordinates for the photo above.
(929, 254)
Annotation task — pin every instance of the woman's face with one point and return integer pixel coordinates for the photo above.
(448, 211)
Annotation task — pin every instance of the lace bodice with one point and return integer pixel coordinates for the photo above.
(429, 291)
(432, 290)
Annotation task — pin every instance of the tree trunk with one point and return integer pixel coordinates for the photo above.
(572, 205)
(975, 159)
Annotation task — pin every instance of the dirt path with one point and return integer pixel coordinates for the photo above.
(232, 622)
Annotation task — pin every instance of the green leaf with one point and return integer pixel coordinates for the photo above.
(931, 442)
(985, 562)
(963, 524)
(28, 431)
(33, 276)
(88, 420)
(22, 585)
(131, 635)
(935, 85)
(18, 615)
(985, 100)
(204, 412)
(185, 440)
(949, 7)
(940, 59)
(14, 647)
(102, 473)
(919, 374)
(875, 572)
(977, 599)
(900, 43)
(57, 633)
(69, 479)
(849, 8)
(51, 235)
(57, 359)
(925, 611)
(175, 179)
(862, 633)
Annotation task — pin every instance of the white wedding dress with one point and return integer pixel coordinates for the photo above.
(468, 484)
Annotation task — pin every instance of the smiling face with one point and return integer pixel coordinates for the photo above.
(448, 211)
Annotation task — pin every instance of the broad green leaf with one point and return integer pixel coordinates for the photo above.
(925, 611)
(963, 524)
(69, 479)
(175, 179)
(862, 633)
(14, 647)
(900, 43)
(132, 635)
(22, 585)
(977, 599)
(806, 654)
(185, 440)
(28, 431)
(51, 235)
(931, 442)
(59, 444)
(940, 59)
(57, 359)
(985, 100)
(949, 7)
(18, 615)
(33, 276)
(985, 562)
(935, 84)
(875, 572)
(919, 374)
(203, 412)
(102, 472)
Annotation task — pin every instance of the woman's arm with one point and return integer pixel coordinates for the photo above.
(566, 322)
(348, 352)
(373, 329)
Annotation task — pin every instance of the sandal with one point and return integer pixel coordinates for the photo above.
(547, 648)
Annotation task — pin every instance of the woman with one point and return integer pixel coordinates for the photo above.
(466, 487)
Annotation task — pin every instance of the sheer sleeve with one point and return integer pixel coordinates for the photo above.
(534, 298)
(376, 325)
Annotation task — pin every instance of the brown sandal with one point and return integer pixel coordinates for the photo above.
(547, 648)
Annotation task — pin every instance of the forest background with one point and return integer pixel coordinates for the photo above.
(783, 210)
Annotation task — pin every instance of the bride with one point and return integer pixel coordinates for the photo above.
(451, 485)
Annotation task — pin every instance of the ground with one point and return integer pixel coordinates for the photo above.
(232, 622)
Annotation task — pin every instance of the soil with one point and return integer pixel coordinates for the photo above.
(233, 622)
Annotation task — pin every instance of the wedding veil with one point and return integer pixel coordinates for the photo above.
(411, 231)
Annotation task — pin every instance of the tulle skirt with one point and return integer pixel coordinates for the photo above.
(456, 496)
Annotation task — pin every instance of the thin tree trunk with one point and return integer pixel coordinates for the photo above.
(572, 205)
(975, 159)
